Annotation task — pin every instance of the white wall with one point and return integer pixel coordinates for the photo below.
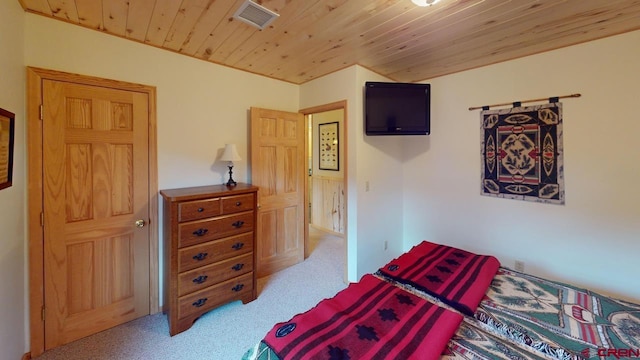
(13, 314)
(429, 184)
(380, 208)
(201, 106)
(593, 240)
(373, 216)
(334, 87)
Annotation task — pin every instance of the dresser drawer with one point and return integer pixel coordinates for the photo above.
(213, 296)
(200, 209)
(205, 276)
(209, 253)
(238, 203)
(197, 232)
(216, 250)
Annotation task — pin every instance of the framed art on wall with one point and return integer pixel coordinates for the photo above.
(329, 153)
(522, 153)
(7, 130)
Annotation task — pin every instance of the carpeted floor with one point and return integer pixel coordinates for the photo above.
(225, 333)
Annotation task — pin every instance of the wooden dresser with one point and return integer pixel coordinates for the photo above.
(209, 243)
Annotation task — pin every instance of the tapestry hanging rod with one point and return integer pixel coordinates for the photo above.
(518, 103)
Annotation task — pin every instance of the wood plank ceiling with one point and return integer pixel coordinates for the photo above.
(391, 37)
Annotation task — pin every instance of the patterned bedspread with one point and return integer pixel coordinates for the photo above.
(471, 342)
(456, 277)
(520, 316)
(369, 319)
(559, 320)
(468, 343)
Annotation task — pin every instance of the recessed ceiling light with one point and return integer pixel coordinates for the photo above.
(424, 2)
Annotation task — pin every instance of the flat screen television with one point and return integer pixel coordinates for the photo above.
(397, 108)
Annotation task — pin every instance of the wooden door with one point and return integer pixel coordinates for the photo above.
(95, 188)
(278, 168)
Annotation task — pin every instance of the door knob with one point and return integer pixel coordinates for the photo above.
(140, 223)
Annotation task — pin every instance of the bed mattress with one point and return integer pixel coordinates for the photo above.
(496, 313)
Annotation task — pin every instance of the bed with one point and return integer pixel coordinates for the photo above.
(441, 302)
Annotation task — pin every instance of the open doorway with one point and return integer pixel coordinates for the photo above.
(327, 174)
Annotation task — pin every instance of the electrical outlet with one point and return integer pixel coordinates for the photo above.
(386, 244)
(366, 188)
(520, 265)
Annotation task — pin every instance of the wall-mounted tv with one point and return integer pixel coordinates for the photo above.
(397, 108)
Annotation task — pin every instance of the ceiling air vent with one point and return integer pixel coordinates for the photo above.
(255, 14)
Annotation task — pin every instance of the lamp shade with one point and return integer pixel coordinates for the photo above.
(230, 153)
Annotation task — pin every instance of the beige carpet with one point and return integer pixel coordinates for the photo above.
(225, 333)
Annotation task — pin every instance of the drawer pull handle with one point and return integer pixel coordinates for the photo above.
(237, 246)
(200, 209)
(238, 203)
(200, 256)
(237, 267)
(237, 287)
(200, 279)
(238, 224)
(200, 232)
(200, 302)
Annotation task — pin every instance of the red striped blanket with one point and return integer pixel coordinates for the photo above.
(370, 319)
(456, 277)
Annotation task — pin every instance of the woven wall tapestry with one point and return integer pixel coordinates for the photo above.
(522, 153)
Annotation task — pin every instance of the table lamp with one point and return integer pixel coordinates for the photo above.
(230, 154)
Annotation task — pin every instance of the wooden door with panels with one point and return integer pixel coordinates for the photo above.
(95, 210)
(278, 141)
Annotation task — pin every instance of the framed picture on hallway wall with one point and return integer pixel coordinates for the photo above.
(329, 153)
(7, 130)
